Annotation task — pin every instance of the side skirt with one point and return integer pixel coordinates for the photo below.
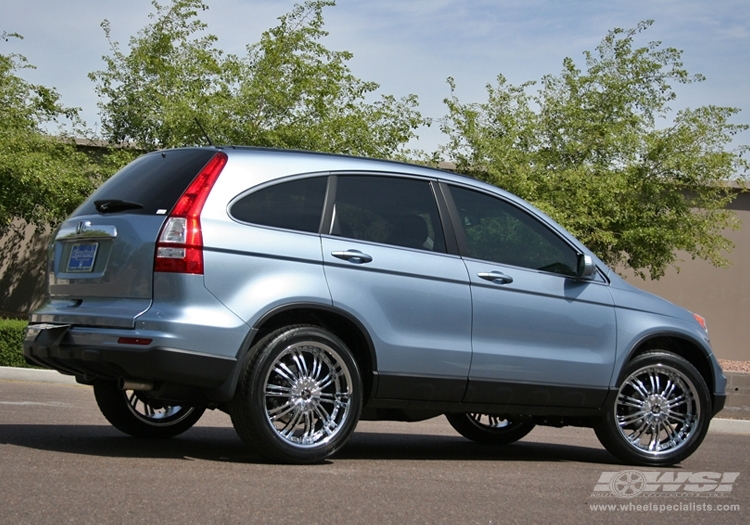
(410, 398)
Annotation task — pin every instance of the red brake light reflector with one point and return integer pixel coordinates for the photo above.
(134, 341)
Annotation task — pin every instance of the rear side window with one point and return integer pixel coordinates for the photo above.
(388, 210)
(293, 205)
(154, 181)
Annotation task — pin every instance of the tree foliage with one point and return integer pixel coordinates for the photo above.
(596, 150)
(288, 91)
(42, 177)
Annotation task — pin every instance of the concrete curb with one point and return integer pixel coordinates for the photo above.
(35, 375)
(720, 426)
(730, 426)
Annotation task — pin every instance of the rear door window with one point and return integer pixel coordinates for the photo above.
(388, 210)
(292, 205)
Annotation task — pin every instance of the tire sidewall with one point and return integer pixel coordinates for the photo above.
(608, 429)
(252, 402)
(113, 404)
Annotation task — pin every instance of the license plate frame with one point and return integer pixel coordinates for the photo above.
(82, 257)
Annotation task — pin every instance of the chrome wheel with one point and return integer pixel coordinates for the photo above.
(308, 394)
(489, 428)
(657, 409)
(490, 422)
(299, 395)
(138, 415)
(153, 413)
(660, 414)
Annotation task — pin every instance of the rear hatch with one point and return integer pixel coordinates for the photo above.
(101, 260)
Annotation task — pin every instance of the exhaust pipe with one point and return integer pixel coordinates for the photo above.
(135, 384)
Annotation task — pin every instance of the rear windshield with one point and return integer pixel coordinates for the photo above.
(154, 181)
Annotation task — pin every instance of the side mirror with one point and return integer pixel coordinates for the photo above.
(586, 266)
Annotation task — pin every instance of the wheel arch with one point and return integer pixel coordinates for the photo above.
(678, 344)
(336, 321)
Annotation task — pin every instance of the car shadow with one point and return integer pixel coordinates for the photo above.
(375, 445)
(223, 444)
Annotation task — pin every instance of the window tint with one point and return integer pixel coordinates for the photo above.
(155, 181)
(295, 205)
(388, 210)
(500, 232)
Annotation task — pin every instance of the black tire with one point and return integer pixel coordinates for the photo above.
(289, 406)
(490, 429)
(661, 412)
(135, 414)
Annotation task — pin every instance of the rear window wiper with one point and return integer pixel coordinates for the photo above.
(115, 205)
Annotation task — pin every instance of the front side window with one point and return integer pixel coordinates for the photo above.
(388, 210)
(500, 232)
(293, 205)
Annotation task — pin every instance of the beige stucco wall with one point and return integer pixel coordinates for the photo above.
(721, 295)
(23, 253)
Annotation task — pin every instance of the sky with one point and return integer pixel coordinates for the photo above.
(411, 46)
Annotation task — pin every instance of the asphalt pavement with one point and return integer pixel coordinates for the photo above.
(60, 461)
(726, 426)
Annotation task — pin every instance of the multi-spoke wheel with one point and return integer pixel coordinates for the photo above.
(135, 414)
(299, 395)
(661, 412)
(490, 429)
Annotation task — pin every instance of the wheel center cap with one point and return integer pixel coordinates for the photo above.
(305, 393)
(657, 407)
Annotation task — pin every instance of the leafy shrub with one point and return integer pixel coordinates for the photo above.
(11, 343)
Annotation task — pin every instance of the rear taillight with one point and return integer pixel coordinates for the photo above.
(180, 245)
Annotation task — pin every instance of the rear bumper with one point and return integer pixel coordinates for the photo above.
(57, 347)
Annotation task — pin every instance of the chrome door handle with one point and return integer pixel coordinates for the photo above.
(354, 256)
(496, 277)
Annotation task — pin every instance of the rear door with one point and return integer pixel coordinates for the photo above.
(100, 269)
(386, 263)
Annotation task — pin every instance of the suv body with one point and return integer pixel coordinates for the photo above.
(246, 279)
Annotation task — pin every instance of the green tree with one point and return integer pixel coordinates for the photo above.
(289, 90)
(43, 177)
(152, 95)
(596, 150)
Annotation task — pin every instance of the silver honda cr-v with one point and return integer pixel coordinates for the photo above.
(302, 292)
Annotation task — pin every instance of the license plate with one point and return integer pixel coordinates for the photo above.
(82, 257)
